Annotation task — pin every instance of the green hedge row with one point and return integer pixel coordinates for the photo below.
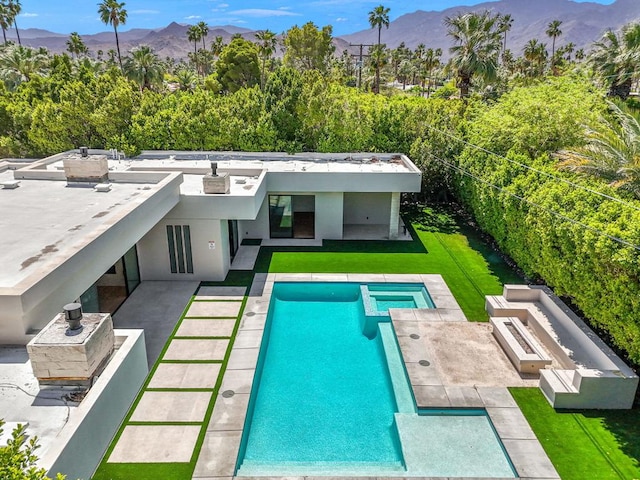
(554, 230)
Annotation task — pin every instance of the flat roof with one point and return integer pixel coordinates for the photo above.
(44, 222)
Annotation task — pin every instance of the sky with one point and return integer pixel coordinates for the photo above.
(346, 16)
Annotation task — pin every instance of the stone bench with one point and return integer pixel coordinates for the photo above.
(514, 339)
(591, 375)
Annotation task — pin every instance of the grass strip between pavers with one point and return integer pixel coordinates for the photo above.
(584, 444)
(168, 471)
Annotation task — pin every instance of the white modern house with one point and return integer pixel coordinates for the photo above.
(153, 218)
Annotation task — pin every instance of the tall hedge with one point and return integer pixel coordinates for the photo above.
(552, 229)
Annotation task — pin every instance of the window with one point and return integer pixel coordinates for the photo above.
(179, 243)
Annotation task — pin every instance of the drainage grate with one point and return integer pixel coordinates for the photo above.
(424, 363)
(228, 393)
(414, 336)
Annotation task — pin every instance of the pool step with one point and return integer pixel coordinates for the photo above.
(397, 372)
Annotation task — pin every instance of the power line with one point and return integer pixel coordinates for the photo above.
(537, 205)
(541, 172)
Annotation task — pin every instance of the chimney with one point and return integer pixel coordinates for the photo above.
(73, 315)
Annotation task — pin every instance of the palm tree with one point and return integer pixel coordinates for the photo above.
(505, 22)
(194, 35)
(267, 41)
(5, 20)
(75, 45)
(113, 13)
(186, 79)
(204, 31)
(378, 58)
(615, 59)
(431, 61)
(553, 31)
(217, 46)
(612, 151)
(477, 42)
(144, 67)
(535, 53)
(14, 8)
(378, 17)
(18, 63)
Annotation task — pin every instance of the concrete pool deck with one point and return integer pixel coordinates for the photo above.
(432, 384)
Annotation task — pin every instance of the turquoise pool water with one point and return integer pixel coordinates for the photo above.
(331, 397)
(325, 395)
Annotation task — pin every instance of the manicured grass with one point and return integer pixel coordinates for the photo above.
(598, 444)
(469, 267)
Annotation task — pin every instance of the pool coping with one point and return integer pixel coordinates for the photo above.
(221, 446)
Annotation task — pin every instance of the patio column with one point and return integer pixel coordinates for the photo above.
(394, 218)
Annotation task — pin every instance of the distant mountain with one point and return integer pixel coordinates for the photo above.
(583, 23)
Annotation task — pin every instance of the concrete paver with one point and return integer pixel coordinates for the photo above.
(229, 413)
(218, 454)
(253, 322)
(243, 359)
(185, 375)
(214, 309)
(422, 375)
(178, 406)
(248, 339)
(510, 423)
(246, 257)
(529, 459)
(238, 381)
(223, 291)
(496, 397)
(155, 444)
(196, 349)
(428, 396)
(206, 328)
(463, 397)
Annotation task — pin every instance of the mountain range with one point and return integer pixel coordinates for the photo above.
(583, 23)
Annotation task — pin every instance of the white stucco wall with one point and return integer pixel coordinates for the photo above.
(329, 215)
(367, 208)
(208, 264)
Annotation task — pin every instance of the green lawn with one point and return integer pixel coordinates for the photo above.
(587, 444)
(469, 267)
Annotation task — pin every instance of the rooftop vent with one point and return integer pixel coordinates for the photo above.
(214, 169)
(73, 315)
(102, 187)
(84, 152)
(10, 184)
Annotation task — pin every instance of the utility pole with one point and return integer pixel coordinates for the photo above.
(360, 56)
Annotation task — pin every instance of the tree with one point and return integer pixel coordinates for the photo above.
(431, 60)
(19, 64)
(204, 31)
(144, 67)
(267, 41)
(477, 42)
(615, 59)
(238, 65)
(14, 7)
(553, 31)
(505, 23)
(18, 459)
(186, 79)
(75, 45)
(194, 35)
(378, 59)
(308, 48)
(217, 46)
(536, 55)
(5, 20)
(113, 13)
(612, 151)
(378, 17)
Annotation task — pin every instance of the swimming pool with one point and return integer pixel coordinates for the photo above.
(331, 396)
